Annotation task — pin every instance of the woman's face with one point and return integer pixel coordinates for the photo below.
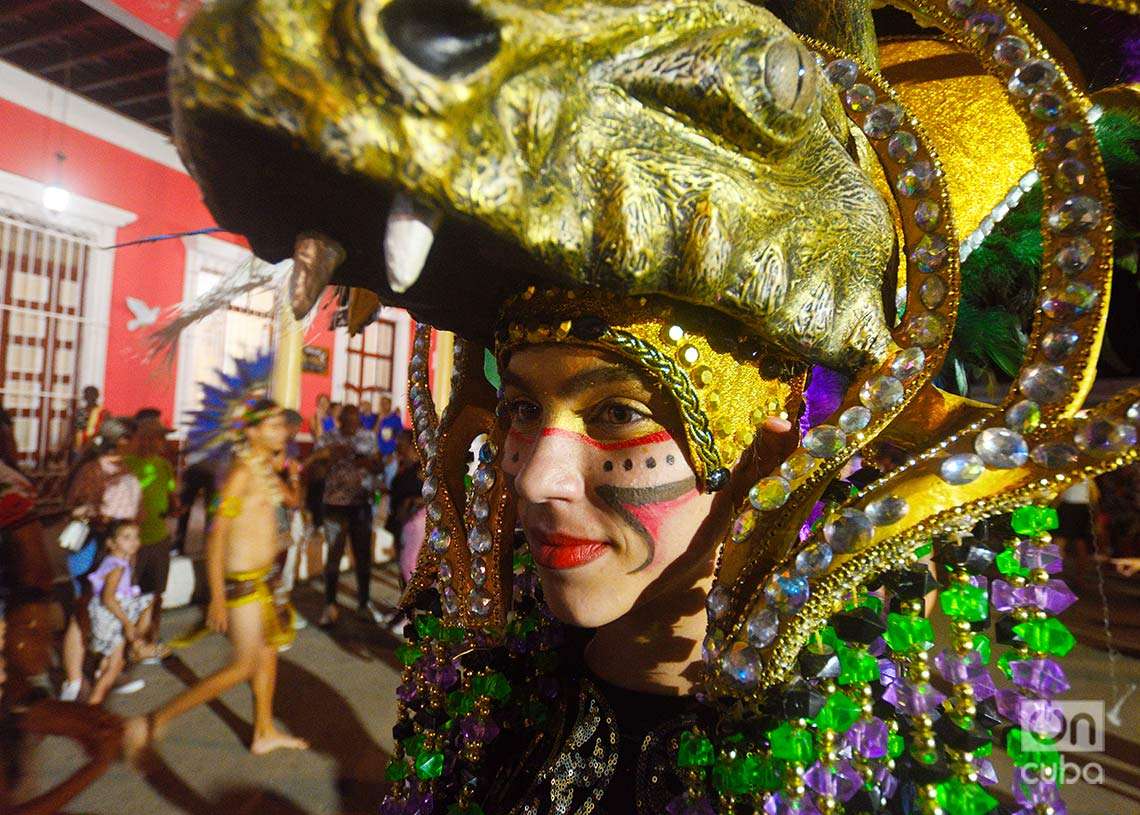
(605, 495)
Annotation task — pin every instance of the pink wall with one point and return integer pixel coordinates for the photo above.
(165, 200)
(167, 16)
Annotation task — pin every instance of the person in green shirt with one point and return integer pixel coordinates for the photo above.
(159, 500)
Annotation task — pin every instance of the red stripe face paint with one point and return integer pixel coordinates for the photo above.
(643, 482)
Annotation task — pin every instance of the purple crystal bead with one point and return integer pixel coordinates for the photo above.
(888, 672)
(1055, 596)
(391, 806)
(1009, 703)
(1004, 596)
(420, 803)
(683, 805)
(1031, 791)
(441, 674)
(886, 782)
(868, 738)
(913, 699)
(979, 581)
(957, 669)
(984, 687)
(840, 780)
(987, 775)
(475, 729)
(1042, 718)
(1044, 677)
(1034, 556)
(878, 647)
(406, 692)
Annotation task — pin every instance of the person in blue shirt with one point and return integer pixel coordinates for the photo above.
(368, 415)
(390, 425)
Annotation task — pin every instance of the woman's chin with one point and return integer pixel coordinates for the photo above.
(584, 607)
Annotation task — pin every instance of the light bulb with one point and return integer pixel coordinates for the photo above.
(56, 199)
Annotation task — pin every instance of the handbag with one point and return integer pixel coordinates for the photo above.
(74, 535)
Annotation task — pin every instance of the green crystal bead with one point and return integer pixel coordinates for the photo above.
(771, 774)
(982, 645)
(737, 776)
(695, 751)
(408, 654)
(1048, 636)
(906, 633)
(427, 626)
(1009, 564)
(873, 602)
(984, 750)
(470, 809)
(894, 745)
(451, 634)
(537, 712)
(397, 770)
(828, 636)
(857, 666)
(494, 685)
(1032, 521)
(1033, 751)
(429, 765)
(1006, 658)
(460, 703)
(924, 550)
(414, 744)
(964, 602)
(791, 743)
(838, 713)
(964, 798)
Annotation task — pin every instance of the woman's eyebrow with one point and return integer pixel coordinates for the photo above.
(579, 382)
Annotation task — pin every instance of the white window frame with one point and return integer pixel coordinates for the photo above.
(98, 222)
(400, 352)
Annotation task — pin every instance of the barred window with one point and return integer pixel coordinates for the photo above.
(369, 363)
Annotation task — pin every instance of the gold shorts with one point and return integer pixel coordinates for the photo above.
(256, 586)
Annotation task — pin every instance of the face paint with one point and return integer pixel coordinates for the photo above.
(646, 508)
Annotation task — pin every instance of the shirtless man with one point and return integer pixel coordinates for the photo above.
(240, 555)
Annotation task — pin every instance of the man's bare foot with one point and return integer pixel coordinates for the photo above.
(138, 736)
(276, 740)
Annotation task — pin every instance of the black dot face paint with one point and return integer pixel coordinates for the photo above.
(627, 465)
(651, 462)
(608, 466)
(670, 459)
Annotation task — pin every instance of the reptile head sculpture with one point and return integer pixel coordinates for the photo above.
(447, 153)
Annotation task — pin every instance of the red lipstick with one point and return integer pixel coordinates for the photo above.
(558, 551)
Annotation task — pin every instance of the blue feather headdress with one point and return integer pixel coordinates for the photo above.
(227, 409)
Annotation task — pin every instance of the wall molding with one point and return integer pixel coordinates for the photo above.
(132, 23)
(50, 100)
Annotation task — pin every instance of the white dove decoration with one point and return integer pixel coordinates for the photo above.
(144, 315)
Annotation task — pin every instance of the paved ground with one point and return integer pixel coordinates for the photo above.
(337, 688)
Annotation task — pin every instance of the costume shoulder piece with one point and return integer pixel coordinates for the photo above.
(748, 203)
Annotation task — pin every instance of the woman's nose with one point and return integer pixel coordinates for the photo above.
(554, 470)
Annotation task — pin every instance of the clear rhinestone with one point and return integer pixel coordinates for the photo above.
(429, 489)
(842, 73)
(984, 27)
(1011, 51)
(1033, 77)
(1045, 383)
(927, 215)
(483, 479)
(739, 663)
(1075, 257)
(1047, 106)
(479, 540)
(902, 147)
(797, 465)
(813, 559)
(890, 509)
(769, 493)
(763, 626)
(743, 525)
(854, 419)
(450, 602)
(1071, 175)
(480, 603)
(478, 571)
(962, 468)
(848, 529)
(930, 253)
(445, 571)
(882, 120)
(1023, 416)
(927, 330)
(480, 508)
(860, 97)
(718, 602)
(1102, 437)
(1077, 213)
(434, 513)
(932, 293)
(824, 441)
(1001, 448)
(1133, 412)
(960, 8)
(1058, 343)
(1071, 300)
(908, 362)
(712, 646)
(1063, 138)
(439, 541)
(880, 393)
(1055, 455)
(786, 593)
(915, 179)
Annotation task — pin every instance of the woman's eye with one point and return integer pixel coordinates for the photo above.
(523, 412)
(621, 414)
